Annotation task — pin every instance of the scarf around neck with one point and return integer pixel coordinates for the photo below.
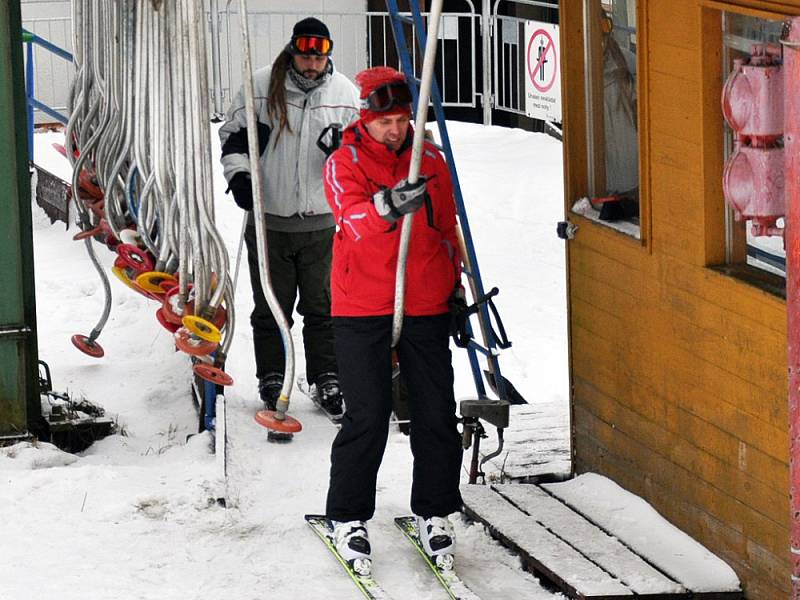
(305, 84)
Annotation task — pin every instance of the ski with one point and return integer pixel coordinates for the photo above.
(311, 391)
(450, 581)
(367, 584)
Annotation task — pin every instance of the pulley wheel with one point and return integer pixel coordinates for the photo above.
(267, 418)
(212, 374)
(87, 346)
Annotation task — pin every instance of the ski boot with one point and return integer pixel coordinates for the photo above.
(352, 543)
(438, 540)
(269, 389)
(329, 395)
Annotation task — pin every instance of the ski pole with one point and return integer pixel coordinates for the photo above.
(416, 160)
(277, 420)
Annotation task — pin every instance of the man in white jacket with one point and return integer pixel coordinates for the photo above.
(301, 105)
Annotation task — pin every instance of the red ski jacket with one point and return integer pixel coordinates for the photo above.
(365, 246)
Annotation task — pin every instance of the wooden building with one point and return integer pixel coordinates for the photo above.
(678, 335)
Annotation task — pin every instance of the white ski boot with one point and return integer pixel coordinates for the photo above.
(438, 540)
(352, 543)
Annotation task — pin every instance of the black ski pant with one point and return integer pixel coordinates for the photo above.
(363, 350)
(298, 262)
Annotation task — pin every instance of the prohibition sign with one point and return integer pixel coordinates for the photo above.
(548, 49)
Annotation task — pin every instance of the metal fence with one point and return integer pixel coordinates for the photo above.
(53, 75)
(360, 40)
(508, 53)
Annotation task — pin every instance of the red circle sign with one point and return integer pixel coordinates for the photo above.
(549, 48)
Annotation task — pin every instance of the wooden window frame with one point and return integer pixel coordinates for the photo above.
(713, 140)
(643, 236)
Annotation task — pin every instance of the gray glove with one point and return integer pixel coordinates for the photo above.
(403, 199)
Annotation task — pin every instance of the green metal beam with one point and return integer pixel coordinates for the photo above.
(20, 408)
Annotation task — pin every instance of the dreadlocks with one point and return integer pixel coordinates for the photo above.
(276, 103)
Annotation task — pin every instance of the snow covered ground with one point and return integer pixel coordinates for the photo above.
(133, 517)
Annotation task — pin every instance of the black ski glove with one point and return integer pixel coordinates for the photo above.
(403, 199)
(242, 189)
(459, 316)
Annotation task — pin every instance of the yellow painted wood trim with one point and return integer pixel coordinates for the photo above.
(712, 139)
(762, 10)
(643, 87)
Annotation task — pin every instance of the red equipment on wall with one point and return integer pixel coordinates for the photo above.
(752, 103)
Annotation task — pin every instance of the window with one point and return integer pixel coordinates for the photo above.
(611, 114)
(753, 234)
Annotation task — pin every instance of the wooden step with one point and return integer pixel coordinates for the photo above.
(569, 550)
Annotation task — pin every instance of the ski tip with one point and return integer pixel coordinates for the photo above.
(405, 519)
(315, 517)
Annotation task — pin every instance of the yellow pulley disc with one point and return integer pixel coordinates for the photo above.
(202, 328)
(152, 280)
(123, 276)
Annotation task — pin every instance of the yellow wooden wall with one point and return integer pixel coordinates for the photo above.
(679, 389)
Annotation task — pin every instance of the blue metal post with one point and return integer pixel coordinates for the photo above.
(29, 95)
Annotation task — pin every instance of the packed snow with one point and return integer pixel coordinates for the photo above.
(135, 517)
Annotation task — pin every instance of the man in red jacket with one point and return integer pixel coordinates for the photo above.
(366, 186)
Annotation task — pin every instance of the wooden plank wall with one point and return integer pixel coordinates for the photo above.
(679, 388)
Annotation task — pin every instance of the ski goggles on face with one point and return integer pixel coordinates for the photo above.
(386, 97)
(311, 44)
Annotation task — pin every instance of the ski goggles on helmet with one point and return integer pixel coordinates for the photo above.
(311, 44)
(384, 98)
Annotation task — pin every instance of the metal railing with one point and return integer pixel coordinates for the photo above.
(30, 39)
(360, 40)
(53, 76)
(508, 56)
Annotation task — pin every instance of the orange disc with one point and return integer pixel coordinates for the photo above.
(266, 418)
(186, 342)
(212, 374)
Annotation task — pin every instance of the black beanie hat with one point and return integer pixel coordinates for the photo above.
(311, 26)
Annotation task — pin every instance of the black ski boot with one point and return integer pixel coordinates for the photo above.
(269, 388)
(329, 395)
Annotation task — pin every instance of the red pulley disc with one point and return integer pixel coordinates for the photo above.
(82, 343)
(212, 374)
(134, 257)
(167, 285)
(267, 418)
(170, 306)
(88, 183)
(193, 345)
(168, 325)
(220, 317)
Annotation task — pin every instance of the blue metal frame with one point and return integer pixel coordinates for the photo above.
(405, 59)
(30, 38)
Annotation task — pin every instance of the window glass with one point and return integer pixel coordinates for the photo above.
(611, 112)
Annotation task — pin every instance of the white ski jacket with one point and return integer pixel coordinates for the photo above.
(291, 166)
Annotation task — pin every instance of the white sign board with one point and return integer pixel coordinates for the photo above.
(543, 73)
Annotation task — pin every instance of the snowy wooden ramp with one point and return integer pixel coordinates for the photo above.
(567, 549)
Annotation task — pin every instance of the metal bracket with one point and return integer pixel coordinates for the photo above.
(566, 230)
(16, 332)
(495, 412)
